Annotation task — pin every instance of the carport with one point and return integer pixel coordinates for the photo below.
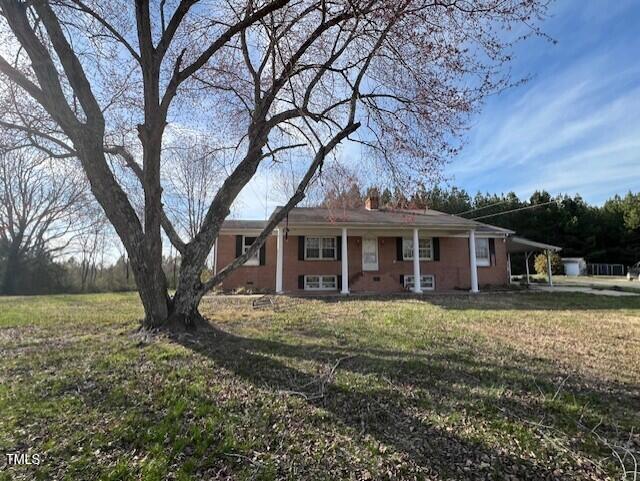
(521, 245)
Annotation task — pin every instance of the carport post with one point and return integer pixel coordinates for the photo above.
(549, 275)
(526, 263)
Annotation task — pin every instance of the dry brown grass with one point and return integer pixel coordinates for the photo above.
(498, 386)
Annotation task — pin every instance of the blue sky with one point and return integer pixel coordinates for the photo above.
(574, 127)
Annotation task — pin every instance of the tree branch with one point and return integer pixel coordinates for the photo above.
(168, 33)
(110, 28)
(179, 76)
(279, 215)
(145, 41)
(31, 131)
(49, 94)
(168, 227)
(21, 80)
(71, 64)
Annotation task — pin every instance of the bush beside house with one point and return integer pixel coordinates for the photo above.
(540, 264)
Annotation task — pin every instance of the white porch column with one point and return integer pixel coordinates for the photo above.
(472, 261)
(549, 274)
(345, 263)
(279, 261)
(417, 288)
(526, 265)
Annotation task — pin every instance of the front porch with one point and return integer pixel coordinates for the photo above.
(352, 259)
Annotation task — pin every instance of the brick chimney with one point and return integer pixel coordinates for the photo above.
(372, 202)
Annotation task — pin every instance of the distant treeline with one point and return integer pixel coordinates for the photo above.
(40, 274)
(607, 234)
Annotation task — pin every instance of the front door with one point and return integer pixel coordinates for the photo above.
(370, 254)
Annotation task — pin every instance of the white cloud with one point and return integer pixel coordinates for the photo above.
(590, 171)
(575, 129)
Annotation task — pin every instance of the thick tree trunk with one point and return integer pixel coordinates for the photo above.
(184, 310)
(152, 289)
(189, 292)
(144, 248)
(156, 303)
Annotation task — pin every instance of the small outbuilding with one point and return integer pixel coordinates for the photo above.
(574, 266)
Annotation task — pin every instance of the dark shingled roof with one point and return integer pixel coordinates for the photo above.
(244, 224)
(302, 216)
(314, 216)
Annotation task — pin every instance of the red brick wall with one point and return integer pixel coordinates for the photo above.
(498, 274)
(450, 272)
(250, 277)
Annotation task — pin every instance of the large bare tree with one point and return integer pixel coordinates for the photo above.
(100, 81)
(40, 206)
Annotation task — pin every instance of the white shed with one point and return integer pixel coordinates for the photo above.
(574, 266)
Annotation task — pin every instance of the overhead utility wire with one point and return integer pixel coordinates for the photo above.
(485, 207)
(514, 210)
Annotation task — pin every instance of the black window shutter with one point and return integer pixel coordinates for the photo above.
(339, 247)
(399, 248)
(239, 239)
(436, 248)
(263, 254)
(300, 282)
(300, 247)
(492, 251)
(339, 283)
(402, 279)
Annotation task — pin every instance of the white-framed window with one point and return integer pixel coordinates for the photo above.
(427, 282)
(318, 248)
(425, 248)
(483, 255)
(320, 283)
(254, 260)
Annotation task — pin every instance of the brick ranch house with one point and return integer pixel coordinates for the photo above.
(368, 250)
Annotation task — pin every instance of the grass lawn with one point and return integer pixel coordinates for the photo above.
(498, 386)
(599, 282)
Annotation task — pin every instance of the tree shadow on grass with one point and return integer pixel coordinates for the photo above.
(448, 383)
